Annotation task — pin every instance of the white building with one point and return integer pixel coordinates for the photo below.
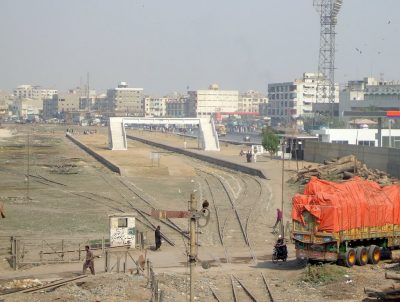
(33, 92)
(363, 137)
(204, 103)
(251, 100)
(290, 100)
(126, 101)
(370, 93)
(154, 106)
(25, 107)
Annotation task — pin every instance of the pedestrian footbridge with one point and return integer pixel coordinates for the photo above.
(208, 136)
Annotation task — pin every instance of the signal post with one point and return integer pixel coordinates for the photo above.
(194, 216)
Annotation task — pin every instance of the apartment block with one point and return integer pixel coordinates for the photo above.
(251, 100)
(33, 92)
(155, 107)
(204, 103)
(290, 100)
(126, 101)
(370, 94)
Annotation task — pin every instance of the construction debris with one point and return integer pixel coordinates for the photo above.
(22, 284)
(64, 166)
(391, 292)
(343, 168)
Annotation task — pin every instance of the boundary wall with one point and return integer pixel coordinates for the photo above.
(98, 157)
(385, 159)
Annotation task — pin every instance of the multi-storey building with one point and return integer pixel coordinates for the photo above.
(154, 106)
(290, 100)
(33, 92)
(50, 108)
(204, 103)
(61, 104)
(4, 102)
(370, 94)
(102, 105)
(126, 101)
(177, 107)
(251, 100)
(27, 108)
(68, 102)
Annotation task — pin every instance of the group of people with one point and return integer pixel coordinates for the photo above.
(280, 245)
(89, 259)
(249, 155)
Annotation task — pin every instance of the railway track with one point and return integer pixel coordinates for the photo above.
(249, 294)
(221, 226)
(242, 292)
(118, 186)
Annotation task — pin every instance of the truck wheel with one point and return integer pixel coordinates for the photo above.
(374, 254)
(361, 255)
(350, 258)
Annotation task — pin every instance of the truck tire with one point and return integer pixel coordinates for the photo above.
(374, 254)
(350, 258)
(361, 256)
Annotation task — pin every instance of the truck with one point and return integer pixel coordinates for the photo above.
(221, 129)
(352, 222)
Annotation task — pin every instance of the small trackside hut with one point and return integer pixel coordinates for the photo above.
(352, 222)
(122, 229)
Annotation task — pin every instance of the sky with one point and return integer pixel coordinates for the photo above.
(175, 45)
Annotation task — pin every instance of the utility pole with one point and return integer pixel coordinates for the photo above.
(88, 94)
(193, 240)
(194, 216)
(283, 183)
(28, 166)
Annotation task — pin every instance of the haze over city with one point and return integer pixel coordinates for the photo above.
(166, 46)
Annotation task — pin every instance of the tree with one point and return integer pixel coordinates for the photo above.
(270, 141)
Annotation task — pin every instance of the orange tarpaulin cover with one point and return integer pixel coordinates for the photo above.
(348, 205)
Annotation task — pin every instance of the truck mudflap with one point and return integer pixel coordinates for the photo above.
(316, 255)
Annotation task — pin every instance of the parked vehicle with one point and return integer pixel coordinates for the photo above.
(246, 138)
(221, 129)
(353, 222)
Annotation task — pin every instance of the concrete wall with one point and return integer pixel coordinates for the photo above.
(101, 159)
(209, 159)
(385, 159)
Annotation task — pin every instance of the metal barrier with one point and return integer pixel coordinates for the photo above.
(156, 294)
(49, 250)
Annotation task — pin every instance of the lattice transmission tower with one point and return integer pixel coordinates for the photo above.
(328, 10)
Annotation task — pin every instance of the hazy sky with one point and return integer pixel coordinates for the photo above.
(169, 45)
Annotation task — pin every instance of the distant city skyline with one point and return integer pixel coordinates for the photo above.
(165, 46)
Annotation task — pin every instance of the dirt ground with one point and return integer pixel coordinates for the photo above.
(53, 192)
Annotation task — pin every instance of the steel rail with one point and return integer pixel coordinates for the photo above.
(271, 298)
(235, 299)
(247, 291)
(244, 233)
(215, 295)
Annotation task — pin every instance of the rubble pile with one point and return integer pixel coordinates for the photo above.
(21, 284)
(391, 292)
(343, 168)
(64, 166)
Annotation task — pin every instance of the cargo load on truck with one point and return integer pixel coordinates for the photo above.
(346, 221)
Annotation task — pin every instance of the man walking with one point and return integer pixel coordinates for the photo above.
(157, 234)
(278, 218)
(89, 261)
